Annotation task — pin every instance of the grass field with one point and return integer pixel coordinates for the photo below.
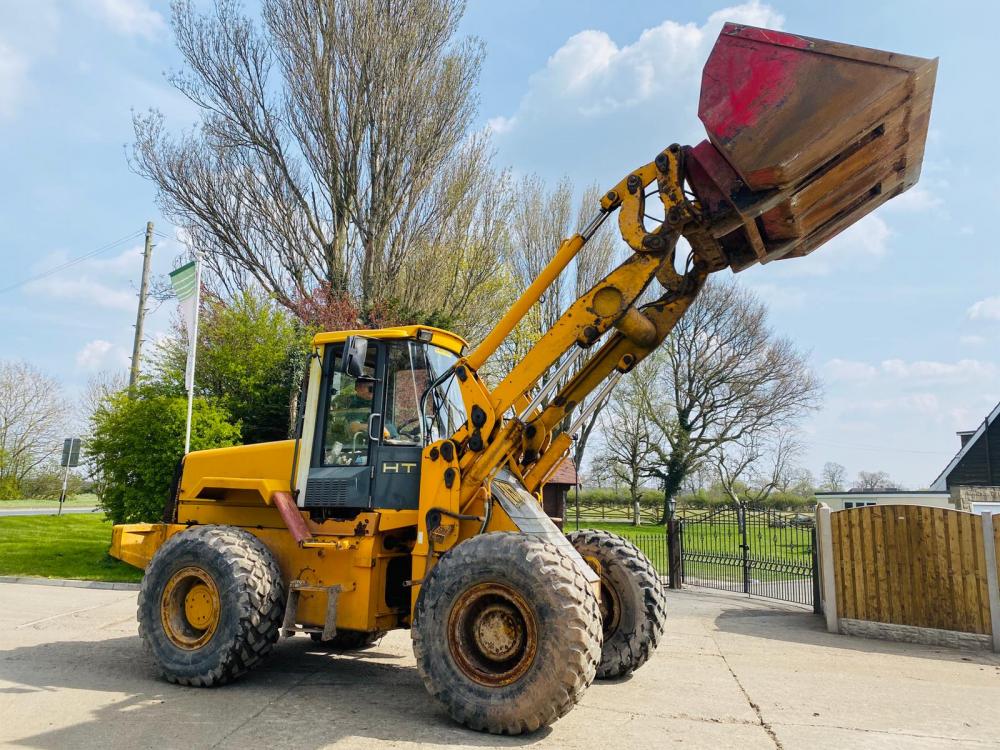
(77, 501)
(73, 546)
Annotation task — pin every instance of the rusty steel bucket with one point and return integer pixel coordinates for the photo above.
(805, 138)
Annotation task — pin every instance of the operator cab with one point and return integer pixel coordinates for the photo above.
(374, 415)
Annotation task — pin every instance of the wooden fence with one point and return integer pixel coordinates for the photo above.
(911, 572)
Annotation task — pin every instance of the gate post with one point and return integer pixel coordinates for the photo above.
(817, 597)
(674, 552)
(741, 518)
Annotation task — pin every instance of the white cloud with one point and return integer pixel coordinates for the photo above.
(860, 247)
(919, 198)
(899, 371)
(129, 17)
(13, 78)
(100, 282)
(843, 369)
(100, 355)
(577, 103)
(985, 309)
(972, 340)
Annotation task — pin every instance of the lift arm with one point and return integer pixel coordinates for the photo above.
(805, 138)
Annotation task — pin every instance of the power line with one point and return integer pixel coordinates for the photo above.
(72, 262)
(882, 448)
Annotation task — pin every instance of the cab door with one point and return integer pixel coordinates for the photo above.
(346, 433)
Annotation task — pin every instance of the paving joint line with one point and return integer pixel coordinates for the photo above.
(753, 706)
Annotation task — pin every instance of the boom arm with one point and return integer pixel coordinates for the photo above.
(805, 138)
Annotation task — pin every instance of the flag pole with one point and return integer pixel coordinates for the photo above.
(193, 348)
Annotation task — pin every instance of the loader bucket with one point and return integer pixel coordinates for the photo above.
(805, 138)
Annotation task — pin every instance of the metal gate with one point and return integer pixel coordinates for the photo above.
(759, 552)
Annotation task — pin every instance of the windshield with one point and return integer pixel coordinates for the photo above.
(445, 409)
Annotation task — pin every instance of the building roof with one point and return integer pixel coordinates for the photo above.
(855, 494)
(565, 473)
(941, 483)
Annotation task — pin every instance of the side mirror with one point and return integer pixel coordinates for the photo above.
(352, 363)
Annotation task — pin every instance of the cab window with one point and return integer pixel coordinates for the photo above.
(406, 380)
(349, 404)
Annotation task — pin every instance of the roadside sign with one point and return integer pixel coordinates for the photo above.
(71, 452)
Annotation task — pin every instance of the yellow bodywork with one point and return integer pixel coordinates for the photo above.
(367, 555)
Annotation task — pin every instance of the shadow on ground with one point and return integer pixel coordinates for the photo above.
(302, 697)
(796, 626)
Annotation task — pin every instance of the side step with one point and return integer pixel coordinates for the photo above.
(295, 588)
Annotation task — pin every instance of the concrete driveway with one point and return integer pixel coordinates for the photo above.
(732, 673)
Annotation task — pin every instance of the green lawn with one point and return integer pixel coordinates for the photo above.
(76, 501)
(74, 546)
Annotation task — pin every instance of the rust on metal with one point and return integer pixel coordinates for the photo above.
(805, 138)
(292, 517)
(492, 634)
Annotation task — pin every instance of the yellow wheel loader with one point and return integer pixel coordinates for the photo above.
(408, 497)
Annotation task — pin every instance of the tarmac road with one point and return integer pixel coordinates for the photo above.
(732, 673)
(43, 511)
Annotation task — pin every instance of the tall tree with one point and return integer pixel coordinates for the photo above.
(870, 481)
(723, 379)
(333, 145)
(541, 220)
(833, 477)
(629, 435)
(33, 418)
(751, 468)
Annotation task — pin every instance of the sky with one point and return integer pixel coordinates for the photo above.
(900, 314)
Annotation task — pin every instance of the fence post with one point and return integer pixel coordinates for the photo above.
(674, 552)
(989, 547)
(824, 538)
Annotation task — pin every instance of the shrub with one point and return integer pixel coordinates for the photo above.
(135, 444)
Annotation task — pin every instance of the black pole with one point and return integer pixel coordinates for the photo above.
(817, 599)
(674, 552)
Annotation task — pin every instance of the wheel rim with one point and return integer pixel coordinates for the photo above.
(189, 608)
(611, 607)
(492, 634)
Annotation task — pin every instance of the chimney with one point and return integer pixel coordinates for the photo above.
(965, 436)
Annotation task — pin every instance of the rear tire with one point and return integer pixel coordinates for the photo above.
(210, 605)
(507, 633)
(633, 604)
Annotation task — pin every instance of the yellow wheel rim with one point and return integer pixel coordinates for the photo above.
(189, 608)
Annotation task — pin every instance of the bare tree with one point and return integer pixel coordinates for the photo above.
(33, 416)
(870, 481)
(753, 467)
(629, 435)
(833, 477)
(333, 148)
(724, 380)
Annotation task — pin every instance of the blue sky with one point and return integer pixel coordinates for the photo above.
(900, 313)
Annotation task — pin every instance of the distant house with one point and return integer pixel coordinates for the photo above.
(555, 489)
(973, 475)
(885, 496)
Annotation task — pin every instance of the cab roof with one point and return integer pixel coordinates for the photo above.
(439, 337)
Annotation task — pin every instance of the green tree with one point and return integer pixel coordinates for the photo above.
(135, 444)
(250, 359)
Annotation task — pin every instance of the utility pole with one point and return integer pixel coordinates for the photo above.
(140, 315)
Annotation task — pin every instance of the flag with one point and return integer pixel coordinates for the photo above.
(185, 282)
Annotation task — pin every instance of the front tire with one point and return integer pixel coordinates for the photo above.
(633, 604)
(210, 605)
(507, 633)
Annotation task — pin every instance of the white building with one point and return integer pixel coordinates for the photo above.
(858, 499)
